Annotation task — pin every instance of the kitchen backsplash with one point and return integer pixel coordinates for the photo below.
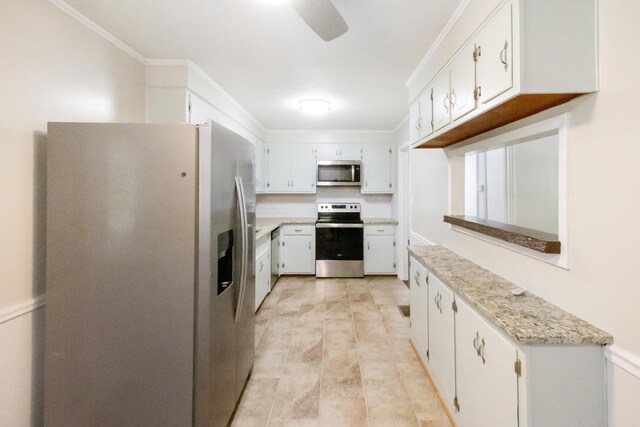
(299, 205)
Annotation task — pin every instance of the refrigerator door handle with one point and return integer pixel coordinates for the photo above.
(245, 244)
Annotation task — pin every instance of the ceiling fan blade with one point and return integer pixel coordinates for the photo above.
(322, 17)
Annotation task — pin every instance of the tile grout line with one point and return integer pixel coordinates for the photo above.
(355, 337)
(402, 382)
(324, 330)
(273, 403)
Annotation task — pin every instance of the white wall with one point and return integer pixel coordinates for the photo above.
(52, 69)
(602, 284)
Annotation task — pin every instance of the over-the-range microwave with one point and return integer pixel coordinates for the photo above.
(339, 173)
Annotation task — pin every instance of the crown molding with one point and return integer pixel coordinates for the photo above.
(60, 4)
(200, 72)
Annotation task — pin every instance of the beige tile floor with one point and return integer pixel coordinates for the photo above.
(336, 352)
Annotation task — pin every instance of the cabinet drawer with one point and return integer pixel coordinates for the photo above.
(379, 230)
(298, 230)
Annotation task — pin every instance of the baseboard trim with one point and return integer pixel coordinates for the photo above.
(24, 308)
(623, 359)
(420, 239)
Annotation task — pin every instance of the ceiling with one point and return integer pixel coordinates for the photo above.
(265, 56)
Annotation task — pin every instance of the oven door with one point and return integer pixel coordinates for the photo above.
(339, 250)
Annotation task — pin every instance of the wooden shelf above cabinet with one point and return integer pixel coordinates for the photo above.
(533, 239)
(510, 111)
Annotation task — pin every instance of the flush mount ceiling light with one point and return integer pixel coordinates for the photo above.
(315, 106)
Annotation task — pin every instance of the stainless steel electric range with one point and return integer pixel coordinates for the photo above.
(339, 240)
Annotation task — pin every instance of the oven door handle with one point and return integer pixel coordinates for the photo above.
(338, 225)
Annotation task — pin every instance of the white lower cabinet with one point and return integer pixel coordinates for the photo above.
(379, 249)
(263, 269)
(441, 361)
(487, 381)
(298, 249)
(419, 293)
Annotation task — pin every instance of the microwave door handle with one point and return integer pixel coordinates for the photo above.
(353, 173)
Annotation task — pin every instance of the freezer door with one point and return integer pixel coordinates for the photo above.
(121, 215)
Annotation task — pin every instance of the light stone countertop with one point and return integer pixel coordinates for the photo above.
(528, 319)
(380, 221)
(264, 226)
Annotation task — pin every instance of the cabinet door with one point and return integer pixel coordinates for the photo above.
(259, 167)
(487, 385)
(298, 255)
(303, 171)
(463, 83)
(441, 339)
(262, 276)
(495, 66)
(418, 298)
(377, 163)
(326, 151)
(278, 174)
(379, 255)
(350, 151)
(414, 121)
(441, 101)
(426, 113)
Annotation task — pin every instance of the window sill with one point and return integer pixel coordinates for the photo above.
(532, 239)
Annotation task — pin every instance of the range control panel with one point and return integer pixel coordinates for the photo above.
(339, 207)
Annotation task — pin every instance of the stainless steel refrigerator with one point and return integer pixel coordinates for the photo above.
(150, 274)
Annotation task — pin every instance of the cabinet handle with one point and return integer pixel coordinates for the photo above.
(309, 245)
(445, 102)
(479, 347)
(368, 247)
(298, 230)
(453, 98)
(504, 50)
(261, 265)
(380, 231)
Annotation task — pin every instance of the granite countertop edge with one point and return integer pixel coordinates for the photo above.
(528, 319)
(267, 225)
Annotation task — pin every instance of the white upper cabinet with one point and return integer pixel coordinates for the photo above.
(290, 168)
(303, 176)
(441, 101)
(414, 121)
(421, 116)
(259, 167)
(278, 176)
(494, 55)
(463, 83)
(528, 56)
(337, 151)
(377, 169)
